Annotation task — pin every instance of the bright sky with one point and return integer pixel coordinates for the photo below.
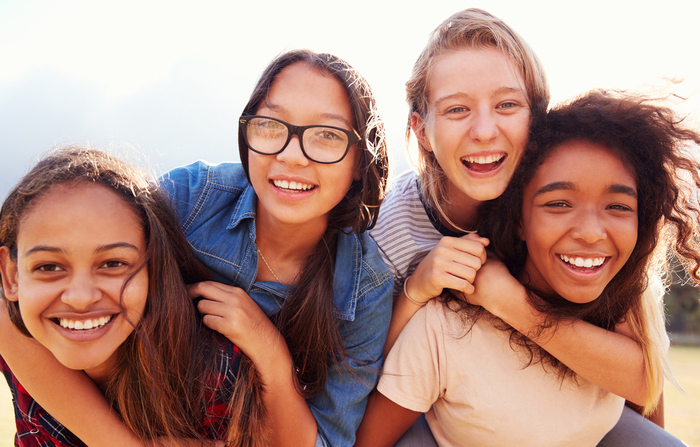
(171, 78)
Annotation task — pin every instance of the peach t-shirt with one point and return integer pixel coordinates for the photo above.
(476, 391)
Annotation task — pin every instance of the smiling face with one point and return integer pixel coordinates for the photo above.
(477, 122)
(291, 189)
(579, 221)
(76, 247)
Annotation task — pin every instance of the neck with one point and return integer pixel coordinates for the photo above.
(285, 247)
(460, 209)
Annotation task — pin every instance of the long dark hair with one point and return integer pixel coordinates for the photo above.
(661, 153)
(158, 388)
(307, 319)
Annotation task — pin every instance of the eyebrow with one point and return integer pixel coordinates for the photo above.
(331, 116)
(612, 189)
(100, 249)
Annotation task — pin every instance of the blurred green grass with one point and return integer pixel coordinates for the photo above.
(682, 411)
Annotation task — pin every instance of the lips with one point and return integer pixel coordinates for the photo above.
(483, 163)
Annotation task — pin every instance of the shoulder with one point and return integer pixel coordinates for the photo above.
(201, 190)
(201, 175)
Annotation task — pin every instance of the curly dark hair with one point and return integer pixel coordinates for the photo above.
(659, 151)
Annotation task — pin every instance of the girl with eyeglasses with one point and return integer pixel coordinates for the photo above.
(586, 225)
(475, 92)
(299, 285)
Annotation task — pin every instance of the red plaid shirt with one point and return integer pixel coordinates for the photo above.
(37, 428)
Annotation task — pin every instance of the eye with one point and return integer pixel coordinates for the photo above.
(557, 204)
(458, 109)
(114, 264)
(48, 268)
(329, 134)
(507, 105)
(620, 207)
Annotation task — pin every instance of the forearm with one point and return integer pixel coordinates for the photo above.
(401, 314)
(290, 420)
(610, 360)
(69, 396)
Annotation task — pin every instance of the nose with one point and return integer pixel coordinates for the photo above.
(82, 291)
(484, 128)
(589, 227)
(292, 154)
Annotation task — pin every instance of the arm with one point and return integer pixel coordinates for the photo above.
(384, 422)
(451, 264)
(76, 403)
(611, 360)
(230, 311)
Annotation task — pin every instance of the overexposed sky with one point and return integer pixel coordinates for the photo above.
(171, 78)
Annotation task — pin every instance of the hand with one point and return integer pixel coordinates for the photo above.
(233, 313)
(451, 264)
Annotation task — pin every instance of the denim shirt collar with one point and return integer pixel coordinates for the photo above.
(348, 260)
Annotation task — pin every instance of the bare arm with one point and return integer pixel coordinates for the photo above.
(230, 311)
(384, 422)
(452, 264)
(611, 360)
(69, 396)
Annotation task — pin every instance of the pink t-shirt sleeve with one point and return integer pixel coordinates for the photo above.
(413, 375)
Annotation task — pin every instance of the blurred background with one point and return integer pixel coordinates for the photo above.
(164, 82)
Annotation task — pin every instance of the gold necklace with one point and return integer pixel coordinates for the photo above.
(268, 265)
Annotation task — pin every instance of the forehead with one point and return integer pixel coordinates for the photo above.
(301, 92)
(79, 210)
(586, 159)
(473, 70)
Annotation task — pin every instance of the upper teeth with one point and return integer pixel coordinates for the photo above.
(291, 185)
(85, 324)
(484, 159)
(581, 262)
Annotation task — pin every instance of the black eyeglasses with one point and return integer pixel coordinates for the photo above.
(322, 144)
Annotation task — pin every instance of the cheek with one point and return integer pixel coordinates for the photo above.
(136, 295)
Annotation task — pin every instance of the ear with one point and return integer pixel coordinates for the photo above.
(418, 127)
(8, 270)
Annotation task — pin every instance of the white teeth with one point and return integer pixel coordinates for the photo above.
(484, 159)
(80, 325)
(581, 262)
(284, 184)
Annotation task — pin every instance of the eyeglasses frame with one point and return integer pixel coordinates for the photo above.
(353, 136)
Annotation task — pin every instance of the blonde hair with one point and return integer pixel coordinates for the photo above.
(471, 28)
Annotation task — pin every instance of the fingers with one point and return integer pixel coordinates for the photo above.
(213, 290)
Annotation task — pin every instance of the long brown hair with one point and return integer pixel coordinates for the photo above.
(158, 387)
(662, 155)
(307, 320)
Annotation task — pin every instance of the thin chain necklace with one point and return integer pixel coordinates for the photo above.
(268, 265)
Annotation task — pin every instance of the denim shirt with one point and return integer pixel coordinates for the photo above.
(216, 209)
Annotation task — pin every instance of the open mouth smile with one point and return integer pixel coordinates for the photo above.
(292, 187)
(483, 163)
(84, 325)
(583, 264)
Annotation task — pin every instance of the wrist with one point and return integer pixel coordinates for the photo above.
(408, 296)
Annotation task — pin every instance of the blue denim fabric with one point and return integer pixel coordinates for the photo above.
(216, 208)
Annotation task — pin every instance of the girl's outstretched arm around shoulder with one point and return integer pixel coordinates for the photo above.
(612, 360)
(231, 312)
(451, 264)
